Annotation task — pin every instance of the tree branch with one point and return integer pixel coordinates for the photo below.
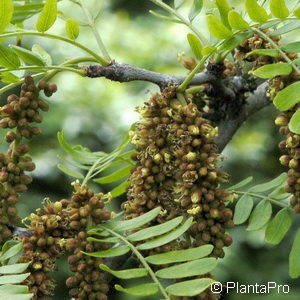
(125, 73)
(228, 127)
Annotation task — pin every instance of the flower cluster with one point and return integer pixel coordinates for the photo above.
(177, 169)
(17, 116)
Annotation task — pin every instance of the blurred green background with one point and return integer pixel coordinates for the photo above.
(97, 113)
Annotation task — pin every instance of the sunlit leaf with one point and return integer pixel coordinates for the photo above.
(236, 21)
(180, 255)
(156, 230)
(263, 187)
(47, 16)
(120, 189)
(8, 289)
(235, 40)
(294, 261)
(6, 12)
(11, 251)
(278, 227)
(8, 58)
(188, 269)
(70, 172)
(146, 289)
(125, 274)
(256, 12)
(72, 28)
(195, 45)
(264, 52)
(243, 209)
(168, 237)
(272, 70)
(8, 77)
(297, 12)
(27, 56)
(288, 97)
(224, 9)
(294, 124)
(288, 27)
(260, 215)
(115, 251)
(217, 28)
(241, 184)
(5, 279)
(279, 9)
(14, 269)
(208, 50)
(189, 288)
(115, 176)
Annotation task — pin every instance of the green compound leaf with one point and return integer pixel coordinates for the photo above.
(236, 21)
(27, 56)
(294, 124)
(195, 45)
(115, 176)
(9, 59)
(189, 288)
(192, 268)
(278, 227)
(288, 97)
(243, 209)
(155, 230)
(260, 215)
(42, 54)
(9, 251)
(112, 252)
(180, 255)
(120, 189)
(241, 184)
(14, 269)
(9, 289)
(224, 8)
(11, 279)
(235, 40)
(297, 12)
(137, 222)
(264, 52)
(217, 28)
(168, 237)
(256, 12)
(70, 172)
(294, 261)
(72, 29)
(125, 274)
(263, 187)
(17, 297)
(272, 70)
(6, 13)
(8, 77)
(47, 16)
(279, 9)
(146, 289)
(292, 47)
(195, 9)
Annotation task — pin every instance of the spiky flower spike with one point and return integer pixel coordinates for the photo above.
(177, 170)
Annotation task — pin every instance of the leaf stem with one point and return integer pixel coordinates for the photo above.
(141, 259)
(189, 24)
(95, 31)
(187, 80)
(33, 68)
(276, 202)
(100, 59)
(267, 38)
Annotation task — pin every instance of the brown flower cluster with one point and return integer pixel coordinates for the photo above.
(17, 116)
(177, 169)
(59, 228)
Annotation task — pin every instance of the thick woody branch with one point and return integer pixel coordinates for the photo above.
(254, 103)
(125, 73)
